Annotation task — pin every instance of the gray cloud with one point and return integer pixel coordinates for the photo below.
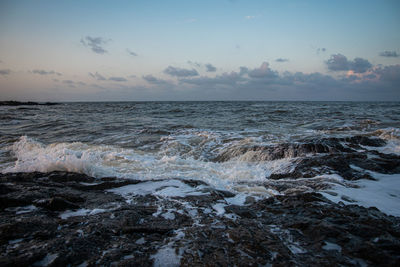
(5, 72)
(389, 54)
(71, 83)
(229, 79)
(44, 72)
(179, 72)
(210, 68)
(97, 76)
(243, 70)
(263, 71)
(131, 52)
(339, 62)
(389, 74)
(117, 79)
(281, 60)
(322, 49)
(195, 64)
(379, 83)
(153, 80)
(96, 44)
(360, 65)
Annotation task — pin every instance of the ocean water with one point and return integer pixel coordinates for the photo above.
(205, 141)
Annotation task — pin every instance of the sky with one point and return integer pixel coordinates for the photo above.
(200, 50)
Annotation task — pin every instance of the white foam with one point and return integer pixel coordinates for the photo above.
(47, 260)
(239, 199)
(219, 208)
(22, 210)
(166, 257)
(73, 157)
(140, 241)
(331, 246)
(80, 212)
(106, 160)
(168, 215)
(383, 194)
(165, 188)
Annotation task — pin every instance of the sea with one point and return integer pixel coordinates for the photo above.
(215, 142)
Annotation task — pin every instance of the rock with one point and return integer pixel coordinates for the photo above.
(57, 204)
(60, 219)
(30, 103)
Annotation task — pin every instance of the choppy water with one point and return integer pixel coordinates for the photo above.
(153, 140)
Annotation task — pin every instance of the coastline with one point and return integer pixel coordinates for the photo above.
(60, 218)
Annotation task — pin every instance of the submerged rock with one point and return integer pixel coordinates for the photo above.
(60, 219)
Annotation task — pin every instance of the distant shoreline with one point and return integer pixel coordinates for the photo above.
(29, 103)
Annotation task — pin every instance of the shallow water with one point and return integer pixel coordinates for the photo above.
(156, 140)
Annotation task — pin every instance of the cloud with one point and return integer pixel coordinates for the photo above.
(179, 72)
(43, 72)
(250, 17)
(210, 68)
(322, 49)
(5, 72)
(262, 72)
(97, 76)
(360, 65)
(339, 62)
(227, 79)
(96, 44)
(195, 64)
(117, 79)
(71, 83)
(281, 60)
(153, 80)
(376, 83)
(131, 52)
(389, 74)
(389, 54)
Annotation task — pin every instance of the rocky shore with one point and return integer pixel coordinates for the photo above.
(29, 103)
(61, 219)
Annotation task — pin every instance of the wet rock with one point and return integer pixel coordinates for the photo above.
(57, 204)
(63, 220)
(30, 103)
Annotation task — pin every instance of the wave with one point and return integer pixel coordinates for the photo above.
(107, 160)
(257, 153)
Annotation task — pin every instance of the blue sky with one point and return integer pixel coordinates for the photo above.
(199, 50)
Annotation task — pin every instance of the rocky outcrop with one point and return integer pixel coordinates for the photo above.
(29, 103)
(300, 149)
(60, 219)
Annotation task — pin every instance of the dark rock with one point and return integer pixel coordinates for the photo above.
(106, 229)
(57, 204)
(30, 103)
